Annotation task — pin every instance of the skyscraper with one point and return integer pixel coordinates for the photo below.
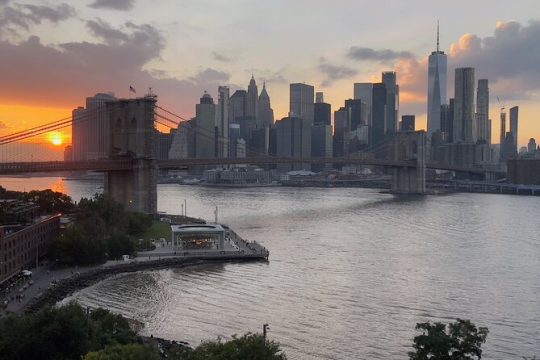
(342, 133)
(378, 114)
(436, 88)
(206, 131)
(514, 111)
(321, 144)
(90, 128)
(237, 106)
(482, 111)
(222, 121)
(358, 112)
(302, 106)
(289, 138)
(531, 146)
(78, 134)
(252, 99)
(322, 112)
(364, 91)
(265, 116)
(389, 80)
(407, 123)
(464, 126)
(503, 126)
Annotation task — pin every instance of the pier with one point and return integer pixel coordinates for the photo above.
(232, 247)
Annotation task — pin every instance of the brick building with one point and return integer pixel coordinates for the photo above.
(22, 245)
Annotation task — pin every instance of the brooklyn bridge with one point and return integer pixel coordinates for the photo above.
(131, 168)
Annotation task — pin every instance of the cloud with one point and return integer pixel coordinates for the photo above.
(220, 57)
(76, 70)
(334, 72)
(54, 15)
(509, 58)
(210, 76)
(113, 4)
(383, 56)
(16, 17)
(103, 30)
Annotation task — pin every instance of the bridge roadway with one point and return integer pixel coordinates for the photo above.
(127, 164)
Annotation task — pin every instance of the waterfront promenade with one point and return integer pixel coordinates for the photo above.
(47, 285)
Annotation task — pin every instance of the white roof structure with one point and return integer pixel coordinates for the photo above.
(197, 228)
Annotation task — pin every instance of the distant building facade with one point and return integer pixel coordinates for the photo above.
(205, 131)
(90, 128)
(464, 128)
(289, 138)
(21, 246)
(302, 106)
(482, 112)
(408, 123)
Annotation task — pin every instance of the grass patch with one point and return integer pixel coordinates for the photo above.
(158, 230)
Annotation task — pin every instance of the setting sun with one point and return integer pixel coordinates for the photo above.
(55, 138)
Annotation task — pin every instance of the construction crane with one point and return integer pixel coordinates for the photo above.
(503, 107)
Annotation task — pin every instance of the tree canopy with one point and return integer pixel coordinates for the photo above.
(460, 340)
(247, 347)
(67, 332)
(102, 229)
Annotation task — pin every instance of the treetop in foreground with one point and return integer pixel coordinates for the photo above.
(460, 340)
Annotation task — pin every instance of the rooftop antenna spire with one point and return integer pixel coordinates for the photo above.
(437, 35)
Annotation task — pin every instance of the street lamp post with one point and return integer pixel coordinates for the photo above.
(265, 329)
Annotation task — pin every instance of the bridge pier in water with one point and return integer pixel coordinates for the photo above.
(132, 137)
(410, 145)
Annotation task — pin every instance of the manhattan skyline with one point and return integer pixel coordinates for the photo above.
(57, 55)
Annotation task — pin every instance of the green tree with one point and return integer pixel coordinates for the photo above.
(50, 202)
(119, 245)
(110, 329)
(460, 340)
(67, 332)
(49, 334)
(101, 229)
(124, 352)
(248, 347)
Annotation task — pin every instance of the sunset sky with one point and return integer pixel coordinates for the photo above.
(55, 54)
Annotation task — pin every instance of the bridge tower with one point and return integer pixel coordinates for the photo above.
(410, 145)
(132, 138)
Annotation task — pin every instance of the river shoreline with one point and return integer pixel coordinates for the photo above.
(68, 286)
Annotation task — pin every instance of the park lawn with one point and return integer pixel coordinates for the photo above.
(158, 230)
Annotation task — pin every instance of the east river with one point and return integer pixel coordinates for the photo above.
(351, 271)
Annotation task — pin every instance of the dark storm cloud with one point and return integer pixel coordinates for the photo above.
(384, 55)
(13, 18)
(220, 57)
(334, 72)
(113, 4)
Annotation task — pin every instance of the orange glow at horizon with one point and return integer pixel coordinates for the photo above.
(16, 117)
